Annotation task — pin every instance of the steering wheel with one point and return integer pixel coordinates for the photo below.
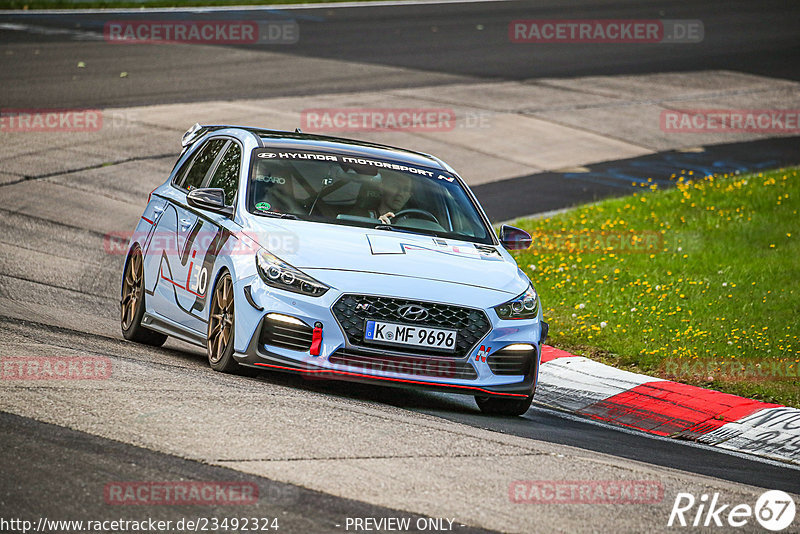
(426, 214)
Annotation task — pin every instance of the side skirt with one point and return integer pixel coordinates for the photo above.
(171, 328)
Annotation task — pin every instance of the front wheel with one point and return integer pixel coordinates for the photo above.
(502, 406)
(220, 327)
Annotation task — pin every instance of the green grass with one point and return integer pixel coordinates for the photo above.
(710, 297)
(101, 4)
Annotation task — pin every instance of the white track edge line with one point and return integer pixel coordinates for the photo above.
(271, 7)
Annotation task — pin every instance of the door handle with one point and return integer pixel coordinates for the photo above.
(185, 223)
(158, 209)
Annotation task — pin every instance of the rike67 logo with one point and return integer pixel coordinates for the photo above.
(774, 510)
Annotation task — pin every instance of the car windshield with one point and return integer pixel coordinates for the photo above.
(356, 191)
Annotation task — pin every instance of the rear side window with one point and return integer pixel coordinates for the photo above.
(226, 177)
(193, 177)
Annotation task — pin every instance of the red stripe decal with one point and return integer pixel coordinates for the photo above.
(189, 274)
(372, 377)
(672, 409)
(176, 284)
(147, 220)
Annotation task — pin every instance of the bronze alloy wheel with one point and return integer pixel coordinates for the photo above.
(221, 321)
(131, 304)
(131, 290)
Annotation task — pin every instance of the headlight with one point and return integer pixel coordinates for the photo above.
(525, 306)
(277, 273)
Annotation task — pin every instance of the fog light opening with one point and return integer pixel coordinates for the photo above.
(285, 319)
(519, 347)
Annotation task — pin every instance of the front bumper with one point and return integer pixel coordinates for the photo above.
(478, 370)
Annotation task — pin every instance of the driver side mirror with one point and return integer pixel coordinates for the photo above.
(209, 198)
(514, 239)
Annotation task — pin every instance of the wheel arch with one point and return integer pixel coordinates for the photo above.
(135, 245)
(221, 271)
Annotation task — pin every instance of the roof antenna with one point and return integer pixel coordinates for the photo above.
(297, 130)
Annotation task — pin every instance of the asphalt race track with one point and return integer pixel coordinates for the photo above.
(319, 452)
(303, 510)
(438, 43)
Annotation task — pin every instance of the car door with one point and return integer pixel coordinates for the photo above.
(169, 253)
(209, 236)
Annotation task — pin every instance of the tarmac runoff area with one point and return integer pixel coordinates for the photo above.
(523, 129)
(63, 192)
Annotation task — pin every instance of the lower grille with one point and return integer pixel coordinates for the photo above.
(352, 312)
(511, 362)
(286, 335)
(407, 365)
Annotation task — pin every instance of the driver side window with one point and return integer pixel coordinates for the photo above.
(200, 163)
(226, 176)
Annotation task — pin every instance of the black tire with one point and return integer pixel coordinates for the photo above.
(501, 406)
(221, 322)
(131, 303)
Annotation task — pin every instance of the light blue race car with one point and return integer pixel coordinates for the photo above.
(337, 259)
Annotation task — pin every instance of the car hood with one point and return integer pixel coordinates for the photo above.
(319, 246)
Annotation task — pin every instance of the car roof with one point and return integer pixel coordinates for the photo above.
(322, 143)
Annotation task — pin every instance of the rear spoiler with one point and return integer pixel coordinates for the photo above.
(197, 131)
(191, 134)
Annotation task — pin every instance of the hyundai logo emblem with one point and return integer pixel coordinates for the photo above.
(412, 312)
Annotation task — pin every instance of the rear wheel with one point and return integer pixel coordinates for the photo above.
(221, 322)
(131, 304)
(503, 406)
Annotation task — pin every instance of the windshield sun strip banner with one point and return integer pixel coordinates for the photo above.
(261, 154)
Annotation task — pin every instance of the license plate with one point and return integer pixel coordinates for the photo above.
(415, 336)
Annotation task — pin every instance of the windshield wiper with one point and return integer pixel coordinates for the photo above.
(405, 230)
(277, 215)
